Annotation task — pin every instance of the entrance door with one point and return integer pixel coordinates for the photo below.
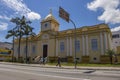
(45, 50)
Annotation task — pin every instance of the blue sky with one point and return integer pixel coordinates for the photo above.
(82, 12)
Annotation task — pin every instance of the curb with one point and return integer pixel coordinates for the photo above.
(64, 67)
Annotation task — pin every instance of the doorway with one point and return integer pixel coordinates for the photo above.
(45, 50)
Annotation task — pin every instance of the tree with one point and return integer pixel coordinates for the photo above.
(110, 53)
(19, 29)
(22, 29)
(12, 33)
(28, 32)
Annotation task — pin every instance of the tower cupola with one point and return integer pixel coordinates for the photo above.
(49, 23)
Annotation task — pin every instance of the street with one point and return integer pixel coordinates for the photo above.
(16, 72)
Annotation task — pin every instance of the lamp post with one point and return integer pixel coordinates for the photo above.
(74, 43)
(65, 15)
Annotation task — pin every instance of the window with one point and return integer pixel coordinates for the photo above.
(115, 36)
(46, 24)
(94, 44)
(77, 45)
(33, 49)
(62, 47)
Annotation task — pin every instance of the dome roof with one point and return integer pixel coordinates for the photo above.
(49, 17)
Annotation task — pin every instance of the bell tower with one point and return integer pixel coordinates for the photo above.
(49, 23)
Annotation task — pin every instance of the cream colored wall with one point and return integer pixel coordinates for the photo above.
(39, 48)
(107, 42)
(31, 54)
(22, 53)
(79, 53)
(50, 26)
(15, 50)
(54, 26)
(96, 53)
(73, 46)
(102, 43)
(44, 42)
(109, 37)
(51, 47)
(51, 42)
(62, 54)
(43, 28)
(118, 50)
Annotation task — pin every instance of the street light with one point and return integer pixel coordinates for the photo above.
(75, 42)
(65, 15)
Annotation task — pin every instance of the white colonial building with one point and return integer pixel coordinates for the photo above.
(91, 44)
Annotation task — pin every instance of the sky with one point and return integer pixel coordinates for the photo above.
(82, 12)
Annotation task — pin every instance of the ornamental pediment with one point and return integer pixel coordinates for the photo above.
(102, 26)
(45, 36)
(69, 31)
(84, 29)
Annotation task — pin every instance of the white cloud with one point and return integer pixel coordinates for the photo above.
(4, 17)
(20, 8)
(3, 26)
(111, 10)
(33, 16)
(115, 29)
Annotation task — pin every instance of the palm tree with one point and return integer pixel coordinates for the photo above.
(12, 33)
(22, 28)
(110, 53)
(28, 32)
(20, 23)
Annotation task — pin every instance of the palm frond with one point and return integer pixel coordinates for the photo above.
(8, 36)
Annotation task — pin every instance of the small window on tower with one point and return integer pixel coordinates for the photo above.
(46, 25)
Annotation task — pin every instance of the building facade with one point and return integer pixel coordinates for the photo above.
(91, 42)
(116, 41)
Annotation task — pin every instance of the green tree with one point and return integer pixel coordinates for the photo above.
(19, 29)
(28, 32)
(110, 53)
(12, 33)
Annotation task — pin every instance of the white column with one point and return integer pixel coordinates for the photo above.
(83, 45)
(56, 47)
(105, 40)
(110, 41)
(67, 46)
(70, 46)
(87, 48)
(101, 44)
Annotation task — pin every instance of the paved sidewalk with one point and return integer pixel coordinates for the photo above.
(63, 67)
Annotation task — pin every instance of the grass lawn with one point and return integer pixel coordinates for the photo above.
(87, 64)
